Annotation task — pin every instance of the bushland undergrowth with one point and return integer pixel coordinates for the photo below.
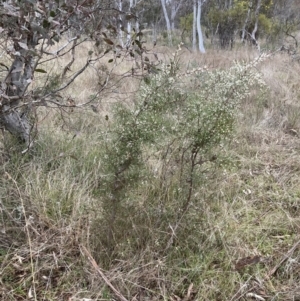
(169, 194)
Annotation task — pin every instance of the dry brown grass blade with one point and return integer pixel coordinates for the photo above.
(189, 292)
(96, 267)
(284, 258)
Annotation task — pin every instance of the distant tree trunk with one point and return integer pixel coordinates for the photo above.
(174, 11)
(154, 32)
(195, 25)
(245, 25)
(136, 13)
(200, 35)
(253, 34)
(173, 14)
(120, 7)
(129, 22)
(163, 3)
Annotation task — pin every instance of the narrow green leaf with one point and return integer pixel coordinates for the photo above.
(137, 42)
(107, 50)
(108, 41)
(40, 70)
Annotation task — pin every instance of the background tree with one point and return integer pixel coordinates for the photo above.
(199, 4)
(150, 15)
(286, 22)
(171, 8)
(231, 19)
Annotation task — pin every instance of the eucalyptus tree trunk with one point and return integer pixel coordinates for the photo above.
(120, 7)
(13, 115)
(194, 25)
(253, 34)
(137, 25)
(129, 25)
(199, 30)
(245, 25)
(174, 11)
(167, 19)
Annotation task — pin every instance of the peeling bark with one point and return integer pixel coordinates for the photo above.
(12, 115)
(16, 123)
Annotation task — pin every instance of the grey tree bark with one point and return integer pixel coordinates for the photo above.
(13, 117)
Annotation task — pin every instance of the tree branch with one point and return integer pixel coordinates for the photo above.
(71, 80)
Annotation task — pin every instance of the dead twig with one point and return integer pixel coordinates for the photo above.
(96, 267)
(284, 258)
(243, 290)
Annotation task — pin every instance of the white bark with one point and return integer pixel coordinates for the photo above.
(167, 19)
(154, 33)
(137, 25)
(199, 30)
(120, 24)
(256, 25)
(195, 25)
(174, 11)
(129, 22)
(245, 25)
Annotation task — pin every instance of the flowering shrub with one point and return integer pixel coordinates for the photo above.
(196, 108)
(180, 119)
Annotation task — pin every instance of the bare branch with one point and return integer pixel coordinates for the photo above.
(67, 67)
(56, 53)
(72, 79)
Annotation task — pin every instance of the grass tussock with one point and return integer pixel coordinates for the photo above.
(83, 204)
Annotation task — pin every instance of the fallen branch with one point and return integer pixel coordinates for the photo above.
(96, 267)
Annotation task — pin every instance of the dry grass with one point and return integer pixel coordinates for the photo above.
(244, 224)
